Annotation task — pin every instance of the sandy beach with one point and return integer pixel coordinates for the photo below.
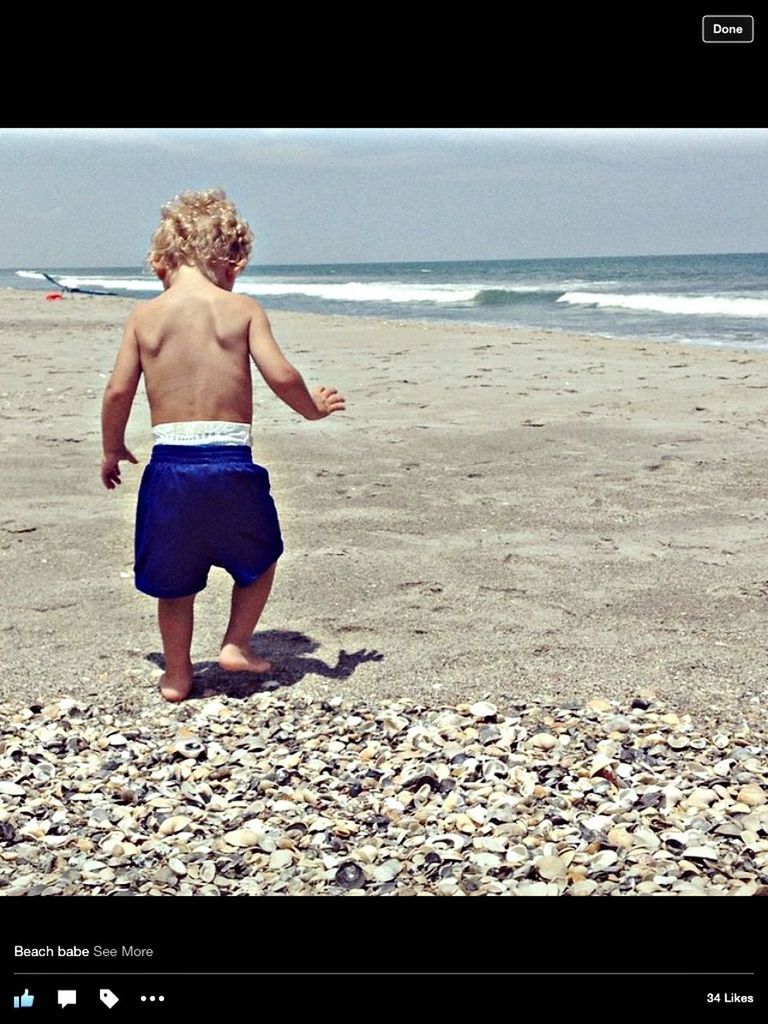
(527, 516)
(517, 630)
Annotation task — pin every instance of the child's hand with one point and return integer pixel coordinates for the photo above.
(327, 400)
(110, 470)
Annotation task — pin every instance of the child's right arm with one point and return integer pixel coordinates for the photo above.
(116, 405)
(284, 379)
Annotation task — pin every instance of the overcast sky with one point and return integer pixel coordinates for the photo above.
(91, 197)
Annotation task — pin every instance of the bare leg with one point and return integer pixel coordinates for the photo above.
(175, 616)
(247, 605)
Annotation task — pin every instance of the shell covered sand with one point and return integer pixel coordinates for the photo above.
(299, 796)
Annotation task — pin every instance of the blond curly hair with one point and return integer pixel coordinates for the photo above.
(199, 229)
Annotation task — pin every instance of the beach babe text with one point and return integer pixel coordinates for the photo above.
(81, 952)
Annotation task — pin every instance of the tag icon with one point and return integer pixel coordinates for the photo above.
(108, 997)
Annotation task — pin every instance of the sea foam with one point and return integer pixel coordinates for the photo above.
(674, 305)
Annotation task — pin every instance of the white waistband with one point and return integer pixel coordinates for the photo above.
(202, 432)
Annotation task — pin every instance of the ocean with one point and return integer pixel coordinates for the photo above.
(708, 299)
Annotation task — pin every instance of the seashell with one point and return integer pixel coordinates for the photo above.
(425, 777)
(350, 876)
(550, 868)
(598, 822)
(537, 889)
(11, 789)
(485, 860)
(677, 742)
(702, 852)
(93, 865)
(619, 836)
(491, 844)
(447, 885)
(8, 832)
(543, 741)
(756, 820)
(242, 837)
(494, 769)
(647, 887)
(691, 887)
(208, 871)
(504, 813)
(54, 841)
(672, 795)
(510, 737)
(172, 825)
(583, 888)
(603, 860)
(67, 706)
(178, 867)
(387, 871)
(464, 823)
(728, 829)
(618, 724)
(280, 859)
(599, 762)
(35, 829)
(367, 854)
(117, 740)
(189, 748)
(752, 795)
(599, 704)
(488, 734)
(394, 724)
(646, 838)
(701, 797)
(482, 709)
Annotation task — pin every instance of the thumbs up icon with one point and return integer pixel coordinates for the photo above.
(24, 1000)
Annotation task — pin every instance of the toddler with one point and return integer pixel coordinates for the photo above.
(202, 499)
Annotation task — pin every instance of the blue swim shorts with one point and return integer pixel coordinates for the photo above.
(203, 505)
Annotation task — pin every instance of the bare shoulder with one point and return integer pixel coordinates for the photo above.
(143, 309)
(251, 308)
(137, 315)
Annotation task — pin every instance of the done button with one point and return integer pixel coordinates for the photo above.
(728, 28)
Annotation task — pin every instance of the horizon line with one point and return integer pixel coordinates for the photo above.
(362, 263)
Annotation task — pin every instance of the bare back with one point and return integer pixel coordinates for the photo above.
(194, 352)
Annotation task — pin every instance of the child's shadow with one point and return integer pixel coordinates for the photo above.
(287, 650)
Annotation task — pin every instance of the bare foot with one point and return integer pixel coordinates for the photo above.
(175, 690)
(242, 659)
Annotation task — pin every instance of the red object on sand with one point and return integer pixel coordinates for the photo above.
(53, 296)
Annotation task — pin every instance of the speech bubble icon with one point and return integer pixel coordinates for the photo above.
(67, 997)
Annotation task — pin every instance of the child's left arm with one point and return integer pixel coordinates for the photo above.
(116, 407)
